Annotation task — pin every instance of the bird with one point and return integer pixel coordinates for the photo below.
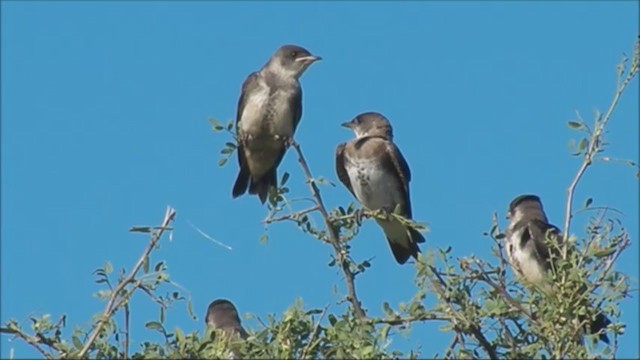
(269, 110)
(223, 315)
(528, 254)
(373, 169)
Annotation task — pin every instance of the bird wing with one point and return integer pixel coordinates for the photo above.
(249, 84)
(340, 169)
(396, 163)
(295, 103)
(537, 230)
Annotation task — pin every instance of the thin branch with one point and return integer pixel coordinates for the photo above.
(505, 295)
(126, 331)
(308, 347)
(594, 145)
(334, 237)
(409, 319)
(291, 216)
(457, 338)
(474, 329)
(110, 308)
(31, 340)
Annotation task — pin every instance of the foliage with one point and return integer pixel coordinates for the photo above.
(487, 312)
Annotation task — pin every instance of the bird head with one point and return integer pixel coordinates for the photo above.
(291, 61)
(370, 124)
(526, 205)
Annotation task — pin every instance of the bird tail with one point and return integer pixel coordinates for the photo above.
(242, 182)
(402, 240)
(262, 186)
(598, 324)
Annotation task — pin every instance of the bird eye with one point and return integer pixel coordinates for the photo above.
(294, 53)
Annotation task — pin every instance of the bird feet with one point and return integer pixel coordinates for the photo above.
(245, 138)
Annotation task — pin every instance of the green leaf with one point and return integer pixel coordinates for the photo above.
(604, 252)
(575, 125)
(76, 342)
(108, 268)
(145, 265)
(285, 177)
(214, 122)
(582, 144)
(264, 238)
(158, 266)
(588, 202)
(142, 229)
(154, 325)
(190, 309)
(222, 161)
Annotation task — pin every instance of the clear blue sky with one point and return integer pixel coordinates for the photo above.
(104, 124)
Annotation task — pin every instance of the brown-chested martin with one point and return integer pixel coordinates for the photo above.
(529, 255)
(269, 110)
(373, 169)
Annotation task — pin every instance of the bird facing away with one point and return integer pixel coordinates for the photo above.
(527, 252)
(269, 110)
(373, 169)
(222, 314)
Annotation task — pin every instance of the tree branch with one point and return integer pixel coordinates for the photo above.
(31, 340)
(595, 144)
(334, 237)
(110, 308)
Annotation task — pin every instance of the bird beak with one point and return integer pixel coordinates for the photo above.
(309, 59)
(347, 124)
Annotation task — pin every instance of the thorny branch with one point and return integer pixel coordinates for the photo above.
(595, 141)
(334, 237)
(111, 305)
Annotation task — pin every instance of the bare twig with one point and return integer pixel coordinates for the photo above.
(291, 216)
(334, 237)
(110, 308)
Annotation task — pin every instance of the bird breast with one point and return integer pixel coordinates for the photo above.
(267, 112)
(523, 261)
(374, 187)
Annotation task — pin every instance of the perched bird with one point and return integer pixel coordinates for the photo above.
(222, 314)
(528, 253)
(373, 169)
(269, 111)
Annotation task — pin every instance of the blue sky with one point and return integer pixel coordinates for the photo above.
(104, 124)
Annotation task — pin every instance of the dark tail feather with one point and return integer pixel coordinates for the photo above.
(416, 236)
(242, 182)
(600, 323)
(262, 186)
(402, 253)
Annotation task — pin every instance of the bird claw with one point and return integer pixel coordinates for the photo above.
(385, 212)
(287, 141)
(245, 138)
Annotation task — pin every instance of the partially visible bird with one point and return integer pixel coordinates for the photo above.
(222, 314)
(269, 110)
(529, 255)
(373, 169)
